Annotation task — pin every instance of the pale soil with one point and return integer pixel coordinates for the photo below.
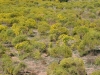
(39, 66)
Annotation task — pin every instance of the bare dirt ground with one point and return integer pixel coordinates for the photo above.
(39, 67)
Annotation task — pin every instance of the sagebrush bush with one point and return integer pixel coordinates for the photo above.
(2, 50)
(19, 39)
(89, 42)
(30, 23)
(68, 62)
(19, 30)
(22, 45)
(97, 60)
(56, 30)
(43, 27)
(9, 67)
(39, 45)
(96, 72)
(7, 35)
(2, 28)
(67, 66)
(60, 51)
(36, 54)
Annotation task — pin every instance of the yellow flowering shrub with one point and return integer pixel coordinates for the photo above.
(19, 29)
(30, 23)
(2, 28)
(22, 45)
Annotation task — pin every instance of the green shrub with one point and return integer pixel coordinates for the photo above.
(61, 18)
(96, 72)
(89, 42)
(53, 51)
(59, 51)
(65, 51)
(93, 16)
(19, 29)
(74, 66)
(80, 31)
(56, 30)
(53, 37)
(7, 64)
(19, 39)
(65, 39)
(51, 67)
(36, 55)
(69, 62)
(2, 28)
(2, 50)
(60, 71)
(9, 32)
(97, 60)
(14, 20)
(30, 23)
(24, 56)
(67, 66)
(7, 35)
(39, 45)
(43, 27)
(96, 4)
(9, 67)
(14, 14)
(22, 45)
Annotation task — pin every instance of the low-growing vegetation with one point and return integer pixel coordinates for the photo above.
(60, 35)
(67, 66)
